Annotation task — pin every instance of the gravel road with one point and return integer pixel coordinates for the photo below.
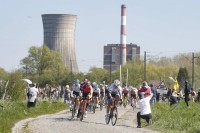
(95, 123)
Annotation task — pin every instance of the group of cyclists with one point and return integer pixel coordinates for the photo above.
(92, 92)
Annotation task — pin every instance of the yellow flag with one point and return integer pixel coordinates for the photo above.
(176, 85)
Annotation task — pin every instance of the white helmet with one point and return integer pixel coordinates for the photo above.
(116, 82)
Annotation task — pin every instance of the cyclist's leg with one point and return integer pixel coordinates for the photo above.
(85, 108)
(117, 98)
(97, 100)
(108, 106)
(79, 108)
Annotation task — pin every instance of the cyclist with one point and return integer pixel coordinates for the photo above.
(106, 95)
(76, 93)
(133, 94)
(102, 92)
(115, 91)
(96, 93)
(86, 94)
(125, 93)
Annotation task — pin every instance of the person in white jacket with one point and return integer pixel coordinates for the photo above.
(32, 95)
(145, 110)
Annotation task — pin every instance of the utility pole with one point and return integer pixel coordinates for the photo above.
(110, 72)
(144, 65)
(71, 70)
(58, 74)
(193, 57)
(26, 71)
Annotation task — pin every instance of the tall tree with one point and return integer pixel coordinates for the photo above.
(182, 76)
(98, 75)
(44, 65)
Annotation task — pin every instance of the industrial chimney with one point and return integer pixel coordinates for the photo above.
(123, 34)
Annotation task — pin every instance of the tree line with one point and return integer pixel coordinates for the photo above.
(45, 66)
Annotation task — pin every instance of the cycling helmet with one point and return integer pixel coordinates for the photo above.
(67, 86)
(94, 85)
(87, 82)
(76, 81)
(116, 82)
(101, 85)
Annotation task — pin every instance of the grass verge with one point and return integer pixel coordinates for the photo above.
(176, 118)
(16, 111)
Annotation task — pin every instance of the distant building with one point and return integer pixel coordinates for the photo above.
(111, 60)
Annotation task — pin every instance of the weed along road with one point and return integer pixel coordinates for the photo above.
(94, 123)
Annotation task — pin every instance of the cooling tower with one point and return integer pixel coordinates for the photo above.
(59, 35)
(123, 34)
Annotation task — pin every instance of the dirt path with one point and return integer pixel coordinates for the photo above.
(94, 123)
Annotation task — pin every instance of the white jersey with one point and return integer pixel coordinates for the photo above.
(134, 89)
(96, 90)
(76, 88)
(115, 90)
(145, 105)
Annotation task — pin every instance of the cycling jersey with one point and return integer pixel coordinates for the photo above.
(102, 90)
(87, 89)
(115, 90)
(96, 90)
(125, 92)
(76, 88)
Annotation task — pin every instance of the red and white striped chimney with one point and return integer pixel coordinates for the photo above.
(123, 34)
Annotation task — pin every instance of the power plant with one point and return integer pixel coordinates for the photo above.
(59, 35)
(118, 54)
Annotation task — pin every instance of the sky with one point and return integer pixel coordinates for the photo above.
(159, 27)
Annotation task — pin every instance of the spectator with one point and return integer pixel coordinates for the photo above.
(193, 95)
(32, 95)
(187, 92)
(162, 85)
(67, 95)
(154, 91)
(145, 109)
(198, 95)
(145, 90)
(173, 98)
(169, 93)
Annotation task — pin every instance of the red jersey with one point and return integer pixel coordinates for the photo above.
(147, 91)
(125, 91)
(87, 89)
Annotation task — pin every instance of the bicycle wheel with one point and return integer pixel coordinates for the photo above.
(133, 107)
(90, 107)
(124, 104)
(73, 111)
(81, 116)
(94, 107)
(107, 119)
(82, 111)
(114, 116)
(101, 106)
